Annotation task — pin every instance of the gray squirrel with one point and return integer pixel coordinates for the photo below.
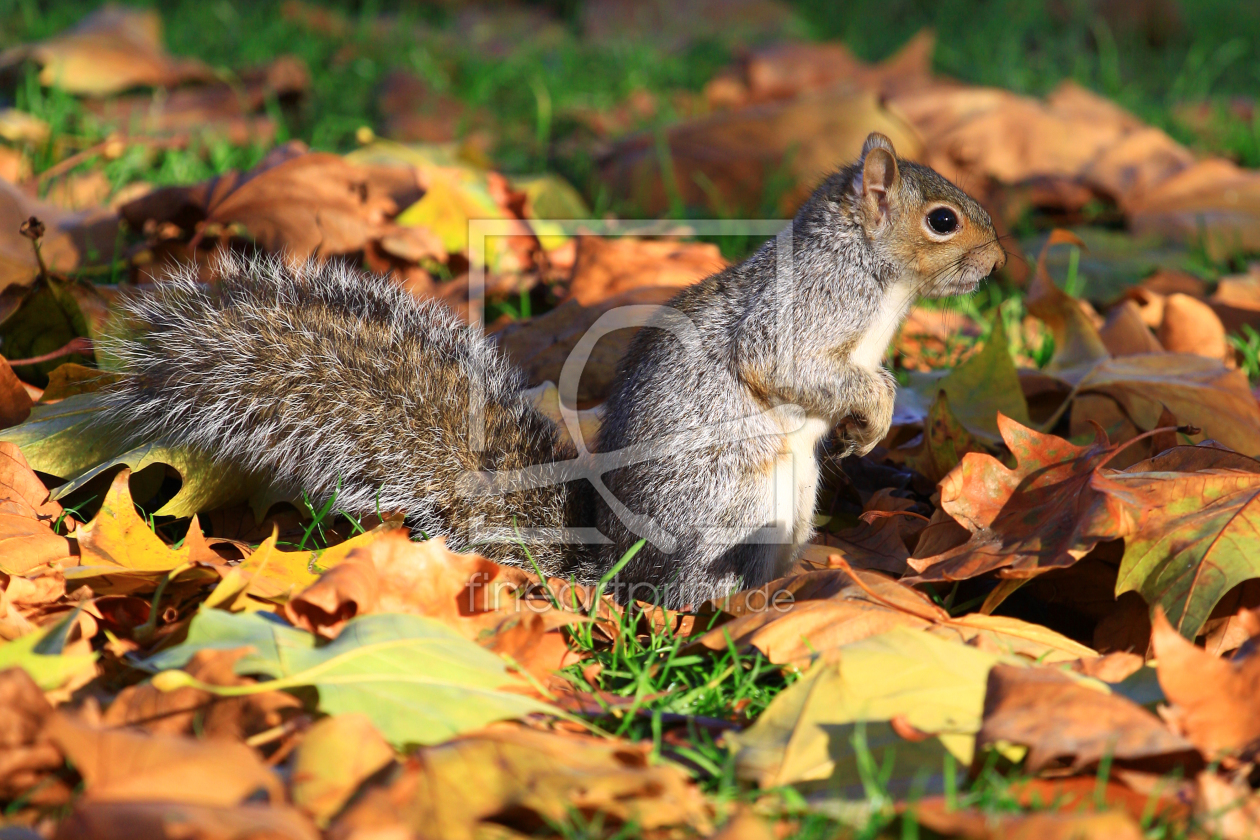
(323, 379)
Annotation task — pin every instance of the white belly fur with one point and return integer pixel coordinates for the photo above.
(796, 487)
(869, 352)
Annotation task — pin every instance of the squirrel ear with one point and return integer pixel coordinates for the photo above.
(875, 140)
(879, 176)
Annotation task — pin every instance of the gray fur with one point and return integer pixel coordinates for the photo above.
(322, 374)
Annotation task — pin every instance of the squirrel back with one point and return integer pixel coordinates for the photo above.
(328, 380)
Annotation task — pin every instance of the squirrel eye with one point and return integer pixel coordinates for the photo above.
(943, 220)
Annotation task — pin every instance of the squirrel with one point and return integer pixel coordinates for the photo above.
(323, 379)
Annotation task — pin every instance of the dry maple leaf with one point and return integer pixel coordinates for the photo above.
(1023, 521)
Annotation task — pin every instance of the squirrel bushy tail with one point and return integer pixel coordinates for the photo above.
(323, 379)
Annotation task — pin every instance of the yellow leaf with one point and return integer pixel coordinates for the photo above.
(117, 536)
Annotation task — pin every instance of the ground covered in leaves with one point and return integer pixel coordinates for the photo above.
(1031, 612)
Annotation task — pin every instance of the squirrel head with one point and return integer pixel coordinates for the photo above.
(939, 237)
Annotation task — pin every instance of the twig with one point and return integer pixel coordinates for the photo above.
(74, 345)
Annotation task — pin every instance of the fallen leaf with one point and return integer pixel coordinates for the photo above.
(336, 755)
(108, 51)
(118, 537)
(609, 266)
(806, 733)
(725, 160)
(29, 757)
(1189, 537)
(41, 656)
(1190, 326)
(1077, 344)
(945, 441)
(191, 711)
(982, 387)
(120, 765)
(976, 825)
(522, 777)
(27, 539)
(1065, 720)
(140, 820)
(1214, 700)
(419, 681)
(1040, 515)
(1126, 333)
(395, 575)
(1213, 201)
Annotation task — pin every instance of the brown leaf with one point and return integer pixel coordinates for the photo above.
(1216, 702)
(336, 755)
(108, 51)
(1126, 333)
(1213, 201)
(1038, 516)
(1040, 825)
(27, 758)
(96, 820)
(726, 159)
(794, 619)
(1190, 326)
(122, 765)
(394, 574)
(208, 112)
(521, 777)
(608, 266)
(191, 711)
(27, 540)
(1060, 719)
(299, 203)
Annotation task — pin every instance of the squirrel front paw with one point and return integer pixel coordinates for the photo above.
(863, 429)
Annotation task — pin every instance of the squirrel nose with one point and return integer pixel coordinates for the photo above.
(999, 259)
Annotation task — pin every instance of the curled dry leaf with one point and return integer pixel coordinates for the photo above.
(395, 575)
(796, 619)
(725, 160)
(1215, 701)
(1061, 719)
(1040, 515)
(521, 776)
(1190, 326)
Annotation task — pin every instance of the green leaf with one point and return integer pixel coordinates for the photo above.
(551, 197)
(67, 440)
(32, 654)
(1190, 538)
(808, 733)
(985, 384)
(417, 680)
